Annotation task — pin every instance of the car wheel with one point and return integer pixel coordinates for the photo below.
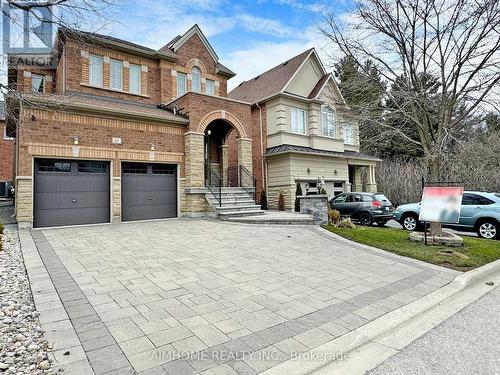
(381, 223)
(410, 222)
(365, 219)
(488, 229)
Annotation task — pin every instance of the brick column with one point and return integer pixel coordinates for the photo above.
(224, 163)
(194, 159)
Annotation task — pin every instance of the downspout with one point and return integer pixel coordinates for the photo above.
(264, 181)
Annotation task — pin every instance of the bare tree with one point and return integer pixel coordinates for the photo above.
(443, 56)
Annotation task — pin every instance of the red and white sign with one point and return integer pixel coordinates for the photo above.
(441, 204)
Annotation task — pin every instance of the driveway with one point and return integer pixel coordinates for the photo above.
(204, 296)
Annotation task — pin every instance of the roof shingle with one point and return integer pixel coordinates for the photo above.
(293, 148)
(270, 82)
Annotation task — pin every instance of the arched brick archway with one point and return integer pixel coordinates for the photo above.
(222, 115)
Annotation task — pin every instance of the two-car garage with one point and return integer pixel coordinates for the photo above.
(72, 192)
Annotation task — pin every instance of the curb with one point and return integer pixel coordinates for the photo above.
(383, 337)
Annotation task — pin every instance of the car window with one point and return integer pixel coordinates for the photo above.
(485, 201)
(469, 199)
(357, 198)
(380, 197)
(340, 199)
(367, 198)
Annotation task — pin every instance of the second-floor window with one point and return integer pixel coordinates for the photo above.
(298, 121)
(196, 79)
(37, 82)
(348, 134)
(95, 70)
(116, 75)
(328, 121)
(134, 79)
(181, 84)
(210, 87)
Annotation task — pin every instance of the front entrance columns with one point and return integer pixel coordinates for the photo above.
(357, 183)
(372, 185)
(224, 163)
(245, 153)
(194, 159)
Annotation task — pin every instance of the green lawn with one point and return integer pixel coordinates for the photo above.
(474, 253)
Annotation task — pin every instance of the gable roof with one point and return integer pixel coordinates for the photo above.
(179, 41)
(319, 86)
(271, 82)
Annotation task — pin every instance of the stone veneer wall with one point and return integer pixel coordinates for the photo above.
(317, 205)
(273, 194)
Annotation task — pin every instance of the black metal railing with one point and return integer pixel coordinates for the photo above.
(248, 181)
(233, 178)
(214, 183)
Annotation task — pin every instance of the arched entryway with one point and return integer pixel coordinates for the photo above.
(226, 148)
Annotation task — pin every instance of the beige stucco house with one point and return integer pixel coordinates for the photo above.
(308, 132)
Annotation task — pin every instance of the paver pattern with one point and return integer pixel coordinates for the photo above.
(203, 296)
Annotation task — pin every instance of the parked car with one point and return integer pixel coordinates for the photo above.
(480, 212)
(367, 208)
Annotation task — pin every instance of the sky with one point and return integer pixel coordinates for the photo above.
(248, 36)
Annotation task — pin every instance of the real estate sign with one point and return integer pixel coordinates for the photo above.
(441, 204)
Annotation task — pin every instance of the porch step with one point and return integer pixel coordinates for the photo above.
(225, 215)
(234, 202)
(275, 218)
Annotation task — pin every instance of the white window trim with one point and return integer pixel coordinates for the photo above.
(102, 71)
(139, 70)
(33, 75)
(304, 119)
(328, 110)
(5, 134)
(212, 83)
(196, 69)
(111, 63)
(180, 74)
(351, 133)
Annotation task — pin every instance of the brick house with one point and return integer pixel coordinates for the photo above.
(118, 132)
(6, 155)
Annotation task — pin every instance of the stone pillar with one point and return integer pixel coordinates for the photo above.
(117, 200)
(24, 201)
(194, 159)
(224, 163)
(245, 153)
(357, 186)
(316, 205)
(372, 185)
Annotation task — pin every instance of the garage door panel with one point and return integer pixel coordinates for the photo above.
(149, 195)
(70, 197)
(48, 218)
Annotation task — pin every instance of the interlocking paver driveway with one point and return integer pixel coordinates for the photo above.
(202, 296)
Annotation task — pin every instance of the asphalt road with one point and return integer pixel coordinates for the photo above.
(466, 343)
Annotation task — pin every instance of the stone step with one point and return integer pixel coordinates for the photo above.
(240, 208)
(223, 215)
(263, 219)
(242, 198)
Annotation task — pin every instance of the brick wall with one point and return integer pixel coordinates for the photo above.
(6, 155)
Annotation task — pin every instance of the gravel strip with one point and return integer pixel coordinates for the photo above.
(23, 349)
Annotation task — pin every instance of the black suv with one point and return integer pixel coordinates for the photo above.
(366, 208)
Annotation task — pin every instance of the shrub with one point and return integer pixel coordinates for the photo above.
(263, 200)
(333, 216)
(281, 201)
(298, 193)
(323, 191)
(346, 223)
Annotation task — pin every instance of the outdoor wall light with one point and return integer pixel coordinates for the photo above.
(209, 132)
(152, 147)
(308, 170)
(33, 117)
(76, 140)
(335, 172)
